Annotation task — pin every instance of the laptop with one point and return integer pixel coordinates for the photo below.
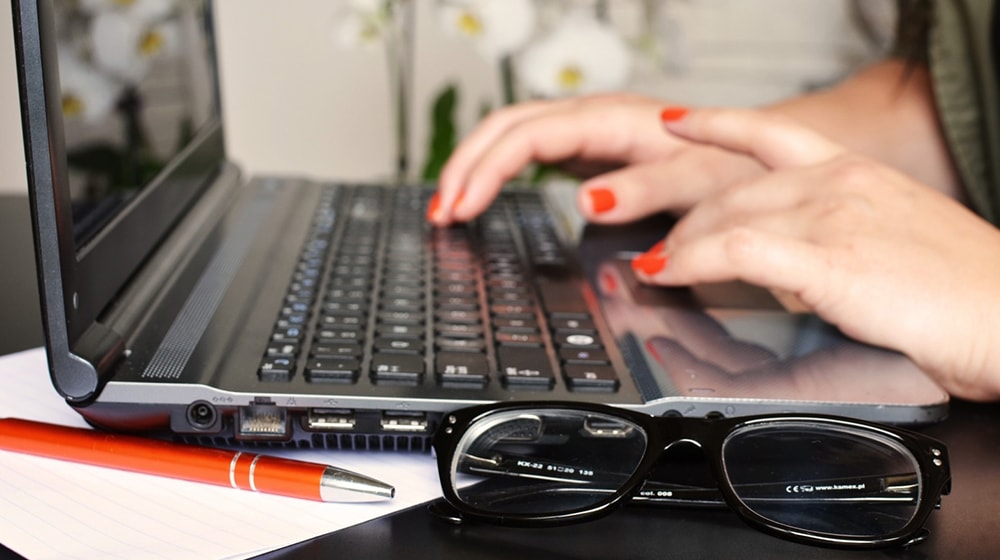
(184, 298)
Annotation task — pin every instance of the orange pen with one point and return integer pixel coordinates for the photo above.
(221, 467)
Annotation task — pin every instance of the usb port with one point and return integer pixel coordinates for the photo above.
(263, 420)
(330, 419)
(407, 422)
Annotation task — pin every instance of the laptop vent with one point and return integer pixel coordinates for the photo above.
(352, 442)
(184, 334)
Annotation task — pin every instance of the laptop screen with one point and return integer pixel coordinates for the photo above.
(136, 86)
(122, 135)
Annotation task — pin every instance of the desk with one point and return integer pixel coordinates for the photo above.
(967, 526)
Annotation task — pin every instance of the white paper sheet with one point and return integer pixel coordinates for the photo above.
(57, 509)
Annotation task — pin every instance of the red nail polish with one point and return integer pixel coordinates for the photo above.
(649, 263)
(433, 205)
(672, 114)
(601, 200)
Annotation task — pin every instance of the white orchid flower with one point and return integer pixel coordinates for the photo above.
(145, 10)
(497, 27)
(362, 24)
(580, 56)
(87, 94)
(125, 46)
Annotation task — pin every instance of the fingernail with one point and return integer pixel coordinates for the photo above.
(601, 200)
(649, 263)
(672, 114)
(433, 206)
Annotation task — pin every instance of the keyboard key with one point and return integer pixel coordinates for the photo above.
(572, 324)
(509, 310)
(581, 377)
(288, 334)
(516, 324)
(397, 368)
(518, 339)
(562, 297)
(339, 334)
(584, 355)
(576, 340)
(525, 367)
(282, 350)
(341, 370)
(460, 344)
(463, 368)
(402, 330)
(276, 369)
(459, 330)
(336, 350)
(457, 316)
(399, 345)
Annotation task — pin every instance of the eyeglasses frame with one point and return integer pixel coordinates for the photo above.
(709, 434)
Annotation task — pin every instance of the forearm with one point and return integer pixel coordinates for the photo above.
(887, 112)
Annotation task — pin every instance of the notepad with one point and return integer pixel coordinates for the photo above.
(57, 509)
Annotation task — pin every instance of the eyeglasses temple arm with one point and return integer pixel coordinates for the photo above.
(892, 488)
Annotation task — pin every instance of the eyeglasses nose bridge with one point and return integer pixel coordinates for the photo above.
(686, 440)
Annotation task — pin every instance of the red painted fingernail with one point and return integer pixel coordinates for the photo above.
(433, 206)
(649, 263)
(601, 199)
(658, 248)
(609, 283)
(672, 114)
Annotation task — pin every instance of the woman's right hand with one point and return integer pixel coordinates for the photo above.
(651, 171)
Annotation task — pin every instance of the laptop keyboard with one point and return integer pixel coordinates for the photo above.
(380, 297)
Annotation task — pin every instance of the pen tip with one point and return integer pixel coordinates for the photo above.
(338, 485)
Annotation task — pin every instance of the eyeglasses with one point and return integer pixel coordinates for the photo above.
(808, 478)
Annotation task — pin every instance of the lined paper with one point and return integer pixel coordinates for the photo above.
(57, 509)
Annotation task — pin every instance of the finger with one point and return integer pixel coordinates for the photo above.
(748, 203)
(776, 141)
(456, 170)
(673, 184)
(750, 255)
(596, 129)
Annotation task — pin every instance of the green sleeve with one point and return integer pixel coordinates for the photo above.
(966, 94)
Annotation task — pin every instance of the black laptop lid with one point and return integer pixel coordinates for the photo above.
(104, 188)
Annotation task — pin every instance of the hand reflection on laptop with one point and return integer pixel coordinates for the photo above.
(733, 344)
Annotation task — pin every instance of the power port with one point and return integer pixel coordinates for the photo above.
(202, 415)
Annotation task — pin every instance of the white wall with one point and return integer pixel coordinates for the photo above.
(12, 177)
(296, 104)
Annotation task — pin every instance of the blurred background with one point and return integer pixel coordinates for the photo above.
(310, 87)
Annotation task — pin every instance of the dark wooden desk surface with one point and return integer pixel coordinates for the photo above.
(967, 526)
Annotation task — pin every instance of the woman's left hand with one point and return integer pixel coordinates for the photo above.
(883, 257)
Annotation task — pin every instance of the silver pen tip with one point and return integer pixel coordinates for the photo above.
(339, 485)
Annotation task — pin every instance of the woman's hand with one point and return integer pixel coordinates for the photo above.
(888, 260)
(657, 171)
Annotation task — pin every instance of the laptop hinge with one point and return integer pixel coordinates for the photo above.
(101, 348)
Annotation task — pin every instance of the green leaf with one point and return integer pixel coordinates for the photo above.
(444, 135)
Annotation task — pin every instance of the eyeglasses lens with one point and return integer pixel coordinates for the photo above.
(547, 461)
(833, 480)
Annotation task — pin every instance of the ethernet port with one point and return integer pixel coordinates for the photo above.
(262, 421)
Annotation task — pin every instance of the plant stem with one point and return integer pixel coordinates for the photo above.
(508, 80)
(399, 54)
